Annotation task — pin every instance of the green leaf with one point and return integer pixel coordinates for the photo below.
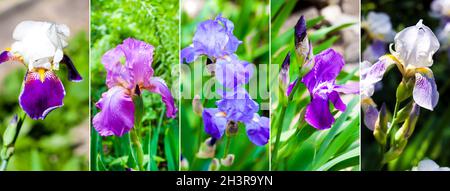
(322, 33)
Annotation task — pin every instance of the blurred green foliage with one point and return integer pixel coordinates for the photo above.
(431, 136)
(58, 142)
(251, 26)
(155, 22)
(301, 146)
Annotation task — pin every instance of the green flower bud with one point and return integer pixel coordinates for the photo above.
(214, 165)
(228, 160)
(404, 113)
(408, 127)
(381, 124)
(10, 133)
(404, 91)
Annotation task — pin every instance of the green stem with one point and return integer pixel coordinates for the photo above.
(227, 147)
(6, 154)
(137, 147)
(4, 165)
(280, 122)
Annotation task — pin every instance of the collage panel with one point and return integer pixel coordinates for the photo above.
(405, 89)
(314, 86)
(134, 85)
(224, 85)
(44, 85)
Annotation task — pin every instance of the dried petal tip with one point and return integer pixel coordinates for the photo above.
(197, 105)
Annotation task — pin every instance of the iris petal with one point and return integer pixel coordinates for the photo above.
(425, 91)
(39, 95)
(318, 114)
(258, 130)
(157, 85)
(214, 121)
(116, 116)
(72, 72)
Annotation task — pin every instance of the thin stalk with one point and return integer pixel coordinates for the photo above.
(227, 147)
(279, 124)
(137, 147)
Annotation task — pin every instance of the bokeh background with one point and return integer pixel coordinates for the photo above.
(61, 141)
(155, 22)
(331, 24)
(431, 137)
(251, 26)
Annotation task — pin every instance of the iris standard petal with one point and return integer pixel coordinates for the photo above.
(425, 92)
(415, 45)
(72, 73)
(41, 93)
(157, 85)
(232, 73)
(327, 66)
(318, 114)
(258, 130)
(214, 121)
(116, 115)
(211, 39)
(116, 73)
(138, 60)
(238, 106)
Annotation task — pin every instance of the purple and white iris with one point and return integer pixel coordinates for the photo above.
(125, 80)
(321, 84)
(39, 46)
(213, 38)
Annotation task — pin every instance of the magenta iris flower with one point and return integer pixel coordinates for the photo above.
(123, 80)
(213, 38)
(321, 84)
(233, 108)
(39, 46)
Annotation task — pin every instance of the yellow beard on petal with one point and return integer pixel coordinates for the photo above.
(41, 72)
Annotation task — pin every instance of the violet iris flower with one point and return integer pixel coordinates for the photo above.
(321, 84)
(213, 38)
(379, 28)
(39, 46)
(233, 108)
(125, 80)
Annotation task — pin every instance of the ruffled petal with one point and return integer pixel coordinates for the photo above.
(214, 121)
(72, 73)
(116, 115)
(211, 39)
(139, 58)
(232, 72)
(238, 106)
(41, 93)
(116, 73)
(258, 130)
(318, 114)
(157, 85)
(425, 91)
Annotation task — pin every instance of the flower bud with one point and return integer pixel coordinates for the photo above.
(302, 45)
(381, 126)
(197, 105)
(283, 77)
(404, 91)
(404, 113)
(11, 132)
(214, 165)
(207, 149)
(408, 127)
(228, 160)
(184, 163)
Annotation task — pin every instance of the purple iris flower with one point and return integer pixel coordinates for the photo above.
(123, 80)
(321, 84)
(232, 72)
(233, 108)
(213, 38)
(39, 46)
